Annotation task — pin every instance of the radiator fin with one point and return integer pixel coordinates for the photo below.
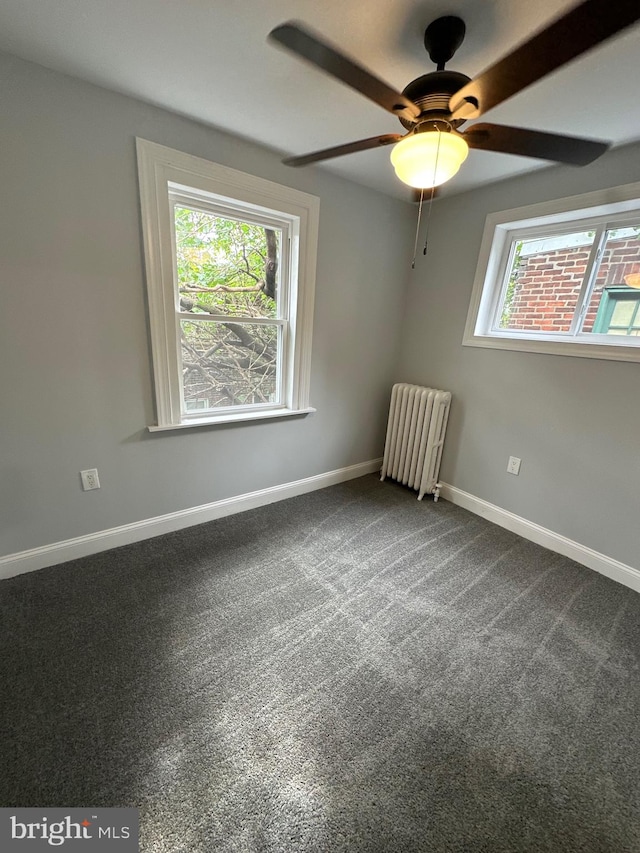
(415, 436)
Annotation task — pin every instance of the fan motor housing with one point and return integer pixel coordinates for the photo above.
(432, 93)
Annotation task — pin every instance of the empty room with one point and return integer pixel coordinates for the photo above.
(319, 469)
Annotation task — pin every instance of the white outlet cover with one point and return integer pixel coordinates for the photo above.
(513, 466)
(90, 479)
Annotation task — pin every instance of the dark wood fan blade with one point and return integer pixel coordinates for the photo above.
(310, 47)
(584, 27)
(339, 150)
(534, 143)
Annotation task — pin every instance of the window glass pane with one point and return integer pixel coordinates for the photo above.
(623, 312)
(625, 317)
(544, 282)
(229, 364)
(224, 266)
(619, 265)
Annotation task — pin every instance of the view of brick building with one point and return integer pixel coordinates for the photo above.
(547, 280)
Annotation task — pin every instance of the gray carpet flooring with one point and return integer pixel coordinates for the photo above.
(350, 670)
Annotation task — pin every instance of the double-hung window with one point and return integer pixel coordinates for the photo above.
(562, 278)
(230, 262)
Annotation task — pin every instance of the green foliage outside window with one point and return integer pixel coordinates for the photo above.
(511, 286)
(229, 269)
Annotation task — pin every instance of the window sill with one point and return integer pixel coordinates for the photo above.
(577, 349)
(232, 418)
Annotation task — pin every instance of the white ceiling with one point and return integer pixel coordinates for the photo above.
(209, 59)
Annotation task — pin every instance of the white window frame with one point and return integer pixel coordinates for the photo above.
(166, 175)
(614, 206)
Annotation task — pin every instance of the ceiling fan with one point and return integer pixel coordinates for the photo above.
(433, 107)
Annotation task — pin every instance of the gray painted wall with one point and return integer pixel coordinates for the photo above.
(573, 421)
(75, 375)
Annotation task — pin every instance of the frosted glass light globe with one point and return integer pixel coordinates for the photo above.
(428, 159)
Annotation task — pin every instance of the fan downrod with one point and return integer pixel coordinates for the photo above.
(443, 37)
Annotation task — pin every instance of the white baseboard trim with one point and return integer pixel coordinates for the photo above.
(543, 536)
(82, 546)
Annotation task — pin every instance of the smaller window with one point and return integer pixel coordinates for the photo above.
(563, 279)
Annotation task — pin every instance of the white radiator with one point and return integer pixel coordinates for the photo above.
(415, 435)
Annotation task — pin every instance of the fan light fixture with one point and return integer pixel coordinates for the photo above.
(428, 158)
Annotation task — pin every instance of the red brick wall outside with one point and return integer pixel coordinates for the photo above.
(548, 284)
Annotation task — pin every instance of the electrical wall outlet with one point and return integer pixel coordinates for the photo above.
(90, 479)
(513, 466)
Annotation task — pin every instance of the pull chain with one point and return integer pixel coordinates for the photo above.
(433, 189)
(426, 233)
(415, 245)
